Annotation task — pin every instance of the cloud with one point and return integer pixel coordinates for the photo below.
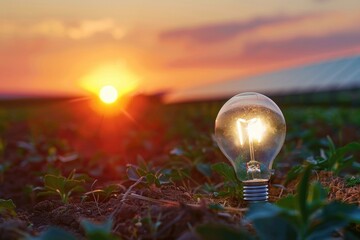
(322, 1)
(304, 46)
(88, 28)
(224, 31)
(263, 51)
(56, 28)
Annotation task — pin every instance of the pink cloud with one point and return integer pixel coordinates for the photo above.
(215, 33)
(267, 52)
(55, 28)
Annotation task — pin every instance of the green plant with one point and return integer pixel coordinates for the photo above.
(93, 231)
(151, 175)
(62, 186)
(330, 159)
(232, 186)
(53, 233)
(213, 231)
(351, 181)
(336, 159)
(7, 208)
(152, 224)
(103, 193)
(96, 231)
(306, 215)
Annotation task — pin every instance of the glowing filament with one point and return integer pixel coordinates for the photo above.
(255, 129)
(239, 129)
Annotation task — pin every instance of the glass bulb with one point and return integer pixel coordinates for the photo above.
(250, 130)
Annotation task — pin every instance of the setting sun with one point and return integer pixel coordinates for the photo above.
(110, 81)
(108, 94)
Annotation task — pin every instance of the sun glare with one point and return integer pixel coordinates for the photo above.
(112, 80)
(108, 94)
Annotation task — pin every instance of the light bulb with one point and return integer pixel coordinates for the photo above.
(250, 130)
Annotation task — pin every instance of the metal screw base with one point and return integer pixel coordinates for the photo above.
(256, 191)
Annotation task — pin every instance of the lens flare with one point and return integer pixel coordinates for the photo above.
(108, 94)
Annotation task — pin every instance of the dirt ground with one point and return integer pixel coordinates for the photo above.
(175, 209)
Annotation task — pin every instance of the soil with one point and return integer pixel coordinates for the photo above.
(177, 210)
(337, 189)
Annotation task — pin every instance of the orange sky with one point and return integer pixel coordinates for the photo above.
(52, 47)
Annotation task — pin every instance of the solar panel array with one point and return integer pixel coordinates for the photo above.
(338, 74)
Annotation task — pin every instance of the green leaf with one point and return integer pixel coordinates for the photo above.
(91, 227)
(333, 216)
(294, 173)
(350, 147)
(225, 170)
(7, 207)
(303, 193)
(132, 173)
(276, 228)
(356, 166)
(110, 189)
(262, 210)
(346, 212)
(332, 147)
(204, 168)
(290, 203)
(96, 231)
(221, 232)
(73, 185)
(54, 182)
(82, 177)
(270, 221)
(47, 193)
(316, 197)
(152, 179)
(351, 181)
(337, 160)
(53, 233)
(62, 186)
(141, 172)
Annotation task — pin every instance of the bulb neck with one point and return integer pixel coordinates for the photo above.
(256, 191)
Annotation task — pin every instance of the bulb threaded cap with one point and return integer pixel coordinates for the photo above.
(256, 191)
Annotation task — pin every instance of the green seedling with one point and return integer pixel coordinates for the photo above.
(103, 193)
(336, 159)
(351, 181)
(7, 208)
(306, 215)
(331, 159)
(232, 186)
(96, 231)
(62, 186)
(151, 175)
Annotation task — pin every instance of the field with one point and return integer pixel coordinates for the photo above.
(153, 171)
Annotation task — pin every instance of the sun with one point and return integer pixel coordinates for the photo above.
(108, 94)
